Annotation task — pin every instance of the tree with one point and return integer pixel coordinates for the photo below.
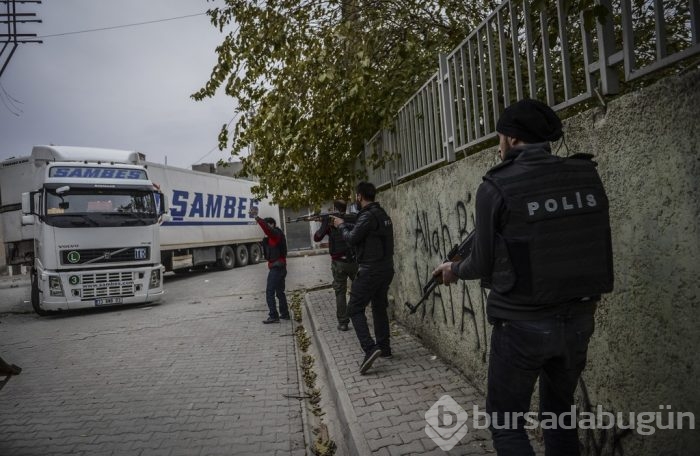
(314, 79)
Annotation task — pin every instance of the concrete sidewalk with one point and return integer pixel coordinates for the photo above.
(384, 411)
(15, 294)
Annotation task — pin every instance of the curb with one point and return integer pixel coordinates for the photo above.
(356, 442)
(303, 409)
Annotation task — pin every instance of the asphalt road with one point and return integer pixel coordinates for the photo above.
(197, 374)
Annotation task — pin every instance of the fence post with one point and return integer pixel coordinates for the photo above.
(609, 80)
(364, 165)
(446, 103)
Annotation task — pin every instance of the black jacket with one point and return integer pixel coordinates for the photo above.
(371, 237)
(338, 248)
(491, 244)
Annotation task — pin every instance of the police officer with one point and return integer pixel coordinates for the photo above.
(343, 264)
(543, 246)
(372, 238)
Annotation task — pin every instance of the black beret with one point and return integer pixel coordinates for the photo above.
(530, 121)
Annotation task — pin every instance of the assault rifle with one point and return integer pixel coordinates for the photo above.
(458, 252)
(318, 216)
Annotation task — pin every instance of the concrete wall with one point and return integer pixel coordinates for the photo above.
(645, 349)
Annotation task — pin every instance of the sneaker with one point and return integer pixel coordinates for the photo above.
(271, 320)
(369, 360)
(386, 354)
(342, 326)
(284, 317)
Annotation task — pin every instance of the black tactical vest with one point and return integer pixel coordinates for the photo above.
(337, 245)
(557, 229)
(384, 232)
(378, 246)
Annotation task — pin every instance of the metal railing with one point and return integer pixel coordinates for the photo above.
(555, 55)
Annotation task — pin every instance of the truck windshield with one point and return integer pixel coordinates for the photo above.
(97, 207)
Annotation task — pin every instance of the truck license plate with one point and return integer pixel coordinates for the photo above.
(108, 301)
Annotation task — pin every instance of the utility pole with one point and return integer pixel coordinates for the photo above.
(10, 38)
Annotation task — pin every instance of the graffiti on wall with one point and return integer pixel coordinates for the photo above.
(599, 442)
(462, 305)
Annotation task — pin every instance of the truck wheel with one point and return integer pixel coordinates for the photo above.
(227, 260)
(254, 253)
(35, 296)
(241, 255)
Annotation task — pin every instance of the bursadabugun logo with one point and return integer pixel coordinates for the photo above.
(446, 423)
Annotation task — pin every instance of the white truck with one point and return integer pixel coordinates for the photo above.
(88, 226)
(208, 221)
(93, 224)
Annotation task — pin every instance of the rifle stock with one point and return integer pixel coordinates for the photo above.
(458, 252)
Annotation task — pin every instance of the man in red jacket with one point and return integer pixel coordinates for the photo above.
(275, 249)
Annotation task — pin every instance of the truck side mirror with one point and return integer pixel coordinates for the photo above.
(163, 212)
(163, 204)
(28, 208)
(27, 203)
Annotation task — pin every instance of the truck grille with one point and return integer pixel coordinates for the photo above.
(107, 284)
(101, 256)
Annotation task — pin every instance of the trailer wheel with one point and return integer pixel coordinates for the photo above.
(255, 253)
(227, 260)
(241, 255)
(35, 295)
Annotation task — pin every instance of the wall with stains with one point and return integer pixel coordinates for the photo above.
(644, 353)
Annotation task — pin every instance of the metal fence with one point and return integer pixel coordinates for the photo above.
(555, 55)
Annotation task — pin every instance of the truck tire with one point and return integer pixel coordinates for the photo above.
(241, 255)
(35, 295)
(255, 254)
(227, 259)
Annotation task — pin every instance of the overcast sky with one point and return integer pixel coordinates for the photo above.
(126, 88)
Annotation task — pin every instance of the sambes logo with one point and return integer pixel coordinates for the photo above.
(199, 205)
(86, 172)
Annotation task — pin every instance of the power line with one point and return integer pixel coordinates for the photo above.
(217, 146)
(13, 108)
(2, 98)
(8, 95)
(123, 26)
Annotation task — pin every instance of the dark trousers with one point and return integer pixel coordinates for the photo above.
(371, 284)
(275, 286)
(553, 349)
(342, 271)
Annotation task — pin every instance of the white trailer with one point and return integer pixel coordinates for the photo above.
(209, 221)
(87, 222)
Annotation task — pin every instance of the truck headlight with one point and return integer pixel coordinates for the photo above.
(55, 287)
(155, 279)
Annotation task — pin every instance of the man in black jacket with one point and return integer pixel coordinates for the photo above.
(372, 238)
(343, 264)
(543, 243)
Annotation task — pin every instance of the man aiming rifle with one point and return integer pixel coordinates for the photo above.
(343, 263)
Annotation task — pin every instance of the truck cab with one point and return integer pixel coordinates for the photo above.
(94, 219)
